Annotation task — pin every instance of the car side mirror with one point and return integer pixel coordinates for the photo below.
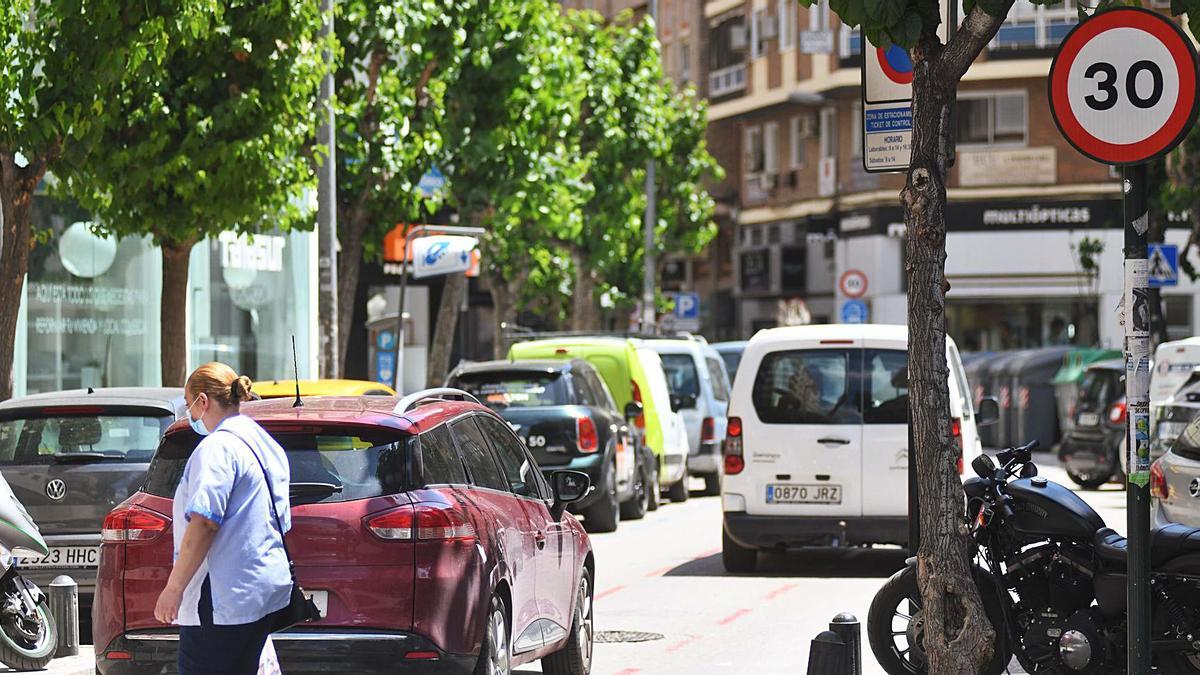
(633, 410)
(569, 487)
(988, 413)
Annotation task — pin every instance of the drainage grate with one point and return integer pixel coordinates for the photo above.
(611, 636)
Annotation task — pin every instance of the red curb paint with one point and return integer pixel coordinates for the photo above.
(734, 617)
(607, 592)
(780, 591)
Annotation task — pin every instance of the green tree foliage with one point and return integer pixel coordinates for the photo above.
(213, 141)
(62, 63)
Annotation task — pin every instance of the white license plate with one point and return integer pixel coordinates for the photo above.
(320, 599)
(63, 556)
(804, 494)
(1088, 419)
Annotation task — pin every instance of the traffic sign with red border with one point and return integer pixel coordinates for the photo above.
(1123, 86)
(853, 283)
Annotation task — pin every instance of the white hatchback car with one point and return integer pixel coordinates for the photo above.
(816, 452)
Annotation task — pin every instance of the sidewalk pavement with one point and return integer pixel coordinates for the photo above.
(82, 664)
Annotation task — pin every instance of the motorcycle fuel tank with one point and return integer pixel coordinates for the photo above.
(1046, 509)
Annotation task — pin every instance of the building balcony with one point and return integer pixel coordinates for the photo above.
(728, 80)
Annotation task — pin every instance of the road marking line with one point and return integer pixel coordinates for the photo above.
(707, 554)
(780, 591)
(681, 644)
(607, 592)
(628, 671)
(733, 617)
(662, 570)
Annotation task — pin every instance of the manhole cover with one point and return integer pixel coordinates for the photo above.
(610, 636)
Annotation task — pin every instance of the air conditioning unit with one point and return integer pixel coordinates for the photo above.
(737, 36)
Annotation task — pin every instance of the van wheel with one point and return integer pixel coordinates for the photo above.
(604, 515)
(636, 506)
(679, 491)
(712, 485)
(735, 557)
(494, 655)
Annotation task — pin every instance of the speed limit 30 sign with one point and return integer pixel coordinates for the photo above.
(1123, 86)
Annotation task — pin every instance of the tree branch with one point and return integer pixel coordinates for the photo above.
(976, 31)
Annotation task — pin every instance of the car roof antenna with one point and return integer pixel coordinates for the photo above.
(296, 369)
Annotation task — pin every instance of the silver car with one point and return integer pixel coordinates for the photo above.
(71, 457)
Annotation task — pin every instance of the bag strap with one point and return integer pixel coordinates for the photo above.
(271, 493)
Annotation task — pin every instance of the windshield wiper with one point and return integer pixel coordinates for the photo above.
(313, 489)
(84, 458)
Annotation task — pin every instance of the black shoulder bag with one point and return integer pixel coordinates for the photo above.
(300, 608)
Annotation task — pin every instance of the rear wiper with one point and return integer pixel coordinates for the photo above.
(307, 489)
(84, 458)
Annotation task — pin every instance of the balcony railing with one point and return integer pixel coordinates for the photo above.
(727, 80)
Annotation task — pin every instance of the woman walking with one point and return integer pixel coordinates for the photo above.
(231, 571)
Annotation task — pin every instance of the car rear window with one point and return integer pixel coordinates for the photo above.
(732, 360)
(500, 390)
(807, 387)
(1098, 386)
(682, 378)
(105, 436)
(716, 374)
(358, 463)
(1188, 443)
(885, 381)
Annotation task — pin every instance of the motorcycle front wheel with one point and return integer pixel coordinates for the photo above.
(896, 630)
(28, 639)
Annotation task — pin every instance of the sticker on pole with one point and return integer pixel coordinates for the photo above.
(1123, 86)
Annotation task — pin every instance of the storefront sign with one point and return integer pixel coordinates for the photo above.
(1017, 166)
(441, 254)
(816, 42)
(261, 252)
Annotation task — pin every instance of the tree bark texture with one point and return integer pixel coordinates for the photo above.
(958, 635)
(17, 185)
(352, 228)
(585, 311)
(504, 311)
(173, 342)
(443, 331)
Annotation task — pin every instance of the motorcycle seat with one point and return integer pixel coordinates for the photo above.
(1166, 543)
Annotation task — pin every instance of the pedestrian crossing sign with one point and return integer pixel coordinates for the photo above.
(1164, 265)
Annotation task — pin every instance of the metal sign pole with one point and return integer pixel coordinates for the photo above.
(1137, 396)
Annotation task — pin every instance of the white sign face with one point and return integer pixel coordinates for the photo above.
(1016, 166)
(853, 283)
(888, 71)
(887, 136)
(816, 42)
(441, 254)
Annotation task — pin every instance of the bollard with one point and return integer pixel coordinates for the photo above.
(850, 631)
(64, 607)
(827, 656)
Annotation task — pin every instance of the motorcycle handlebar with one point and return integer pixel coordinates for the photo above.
(1022, 453)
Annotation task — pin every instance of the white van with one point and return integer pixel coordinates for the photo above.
(817, 448)
(1174, 363)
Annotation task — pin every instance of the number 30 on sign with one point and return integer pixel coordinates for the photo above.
(1123, 86)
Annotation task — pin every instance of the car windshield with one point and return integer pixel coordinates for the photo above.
(46, 439)
(732, 359)
(682, 378)
(501, 390)
(327, 464)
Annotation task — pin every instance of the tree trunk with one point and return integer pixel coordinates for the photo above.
(443, 331)
(17, 185)
(585, 314)
(503, 312)
(352, 228)
(958, 636)
(173, 347)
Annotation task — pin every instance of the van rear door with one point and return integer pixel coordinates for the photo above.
(885, 429)
(804, 451)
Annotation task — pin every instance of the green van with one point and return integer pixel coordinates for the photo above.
(634, 373)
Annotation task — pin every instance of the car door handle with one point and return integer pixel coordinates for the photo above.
(539, 538)
(830, 440)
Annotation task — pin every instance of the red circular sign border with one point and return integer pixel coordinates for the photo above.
(842, 283)
(1180, 120)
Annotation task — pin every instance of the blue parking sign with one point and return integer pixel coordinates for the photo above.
(687, 306)
(385, 367)
(386, 340)
(854, 311)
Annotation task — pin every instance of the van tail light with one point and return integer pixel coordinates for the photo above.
(640, 420)
(734, 462)
(1117, 413)
(585, 435)
(424, 522)
(133, 524)
(708, 430)
(956, 432)
(1158, 481)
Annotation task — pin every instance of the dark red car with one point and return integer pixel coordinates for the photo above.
(428, 535)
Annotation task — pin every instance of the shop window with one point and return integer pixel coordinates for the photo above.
(1178, 310)
(773, 234)
(992, 118)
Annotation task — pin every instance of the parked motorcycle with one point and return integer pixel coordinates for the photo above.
(28, 635)
(1052, 580)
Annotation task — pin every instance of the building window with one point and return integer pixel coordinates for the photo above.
(850, 42)
(1030, 26)
(771, 148)
(685, 61)
(992, 119)
(818, 15)
(785, 10)
(754, 151)
(727, 57)
(798, 137)
(856, 119)
(828, 133)
(758, 41)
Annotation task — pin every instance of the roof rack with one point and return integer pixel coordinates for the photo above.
(437, 394)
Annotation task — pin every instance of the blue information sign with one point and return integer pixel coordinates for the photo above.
(854, 311)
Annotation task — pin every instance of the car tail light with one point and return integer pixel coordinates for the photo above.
(734, 462)
(133, 524)
(585, 435)
(421, 656)
(118, 656)
(1116, 414)
(425, 522)
(956, 432)
(708, 430)
(640, 420)
(1158, 481)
